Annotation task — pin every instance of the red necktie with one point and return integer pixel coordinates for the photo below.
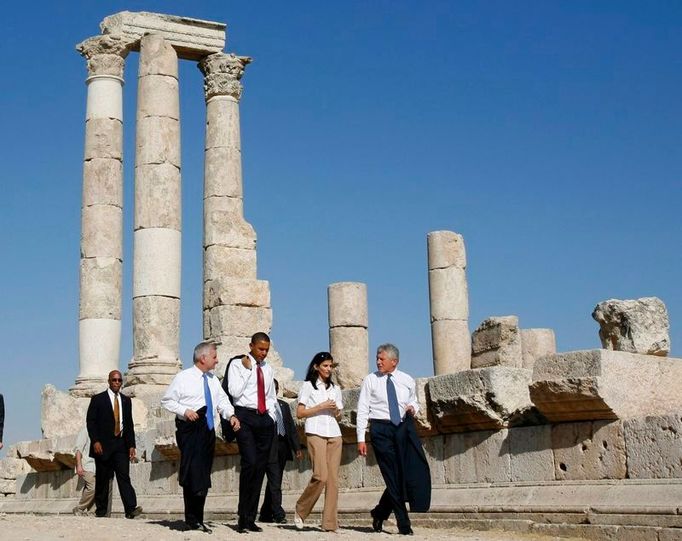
(260, 385)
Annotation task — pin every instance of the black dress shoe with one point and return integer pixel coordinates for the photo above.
(377, 523)
(280, 520)
(242, 527)
(405, 531)
(253, 527)
(135, 512)
(200, 526)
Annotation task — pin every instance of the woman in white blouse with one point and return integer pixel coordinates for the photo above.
(319, 403)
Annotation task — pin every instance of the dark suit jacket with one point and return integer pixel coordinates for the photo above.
(290, 429)
(100, 423)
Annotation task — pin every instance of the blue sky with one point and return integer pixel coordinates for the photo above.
(547, 133)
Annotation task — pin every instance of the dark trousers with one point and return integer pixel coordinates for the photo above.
(386, 449)
(194, 506)
(272, 509)
(117, 462)
(254, 438)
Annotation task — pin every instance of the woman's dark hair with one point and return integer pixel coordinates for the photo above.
(312, 374)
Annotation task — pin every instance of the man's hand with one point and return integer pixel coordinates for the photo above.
(362, 449)
(410, 410)
(246, 362)
(97, 447)
(131, 454)
(191, 415)
(80, 471)
(235, 423)
(299, 454)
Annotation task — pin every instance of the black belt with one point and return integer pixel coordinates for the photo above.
(383, 421)
(253, 410)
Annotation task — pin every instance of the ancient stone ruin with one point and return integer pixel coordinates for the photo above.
(519, 436)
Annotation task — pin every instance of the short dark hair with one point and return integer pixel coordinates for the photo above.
(260, 337)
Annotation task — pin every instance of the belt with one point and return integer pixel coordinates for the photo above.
(253, 410)
(383, 421)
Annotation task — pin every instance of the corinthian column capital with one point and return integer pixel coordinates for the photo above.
(222, 73)
(105, 54)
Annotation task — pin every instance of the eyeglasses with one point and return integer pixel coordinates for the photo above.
(115, 379)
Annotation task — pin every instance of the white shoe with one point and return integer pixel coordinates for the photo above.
(298, 521)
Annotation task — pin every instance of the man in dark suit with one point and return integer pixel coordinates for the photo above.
(112, 435)
(285, 445)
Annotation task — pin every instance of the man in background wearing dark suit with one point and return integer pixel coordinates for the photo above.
(284, 446)
(112, 435)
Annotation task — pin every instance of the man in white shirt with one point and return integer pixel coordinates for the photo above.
(85, 469)
(194, 395)
(388, 401)
(251, 386)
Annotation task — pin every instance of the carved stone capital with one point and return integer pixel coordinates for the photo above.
(105, 54)
(222, 73)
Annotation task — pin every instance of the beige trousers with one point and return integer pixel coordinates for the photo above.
(325, 454)
(88, 497)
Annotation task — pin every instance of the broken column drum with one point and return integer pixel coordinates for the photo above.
(348, 338)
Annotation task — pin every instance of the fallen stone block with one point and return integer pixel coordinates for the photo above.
(601, 384)
(61, 413)
(636, 326)
(536, 343)
(480, 399)
(496, 341)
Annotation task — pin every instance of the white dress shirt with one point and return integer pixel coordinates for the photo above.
(322, 423)
(373, 402)
(243, 385)
(186, 391)
(117, 396)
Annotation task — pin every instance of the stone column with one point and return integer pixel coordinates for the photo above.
(157, 228)
(101, 214)
(348, 338)
(236, 303)
(449, 302)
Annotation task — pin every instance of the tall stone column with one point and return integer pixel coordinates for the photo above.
(348, 338)
(449, 302)
(236, 303)
(157, 228)
(101, 214)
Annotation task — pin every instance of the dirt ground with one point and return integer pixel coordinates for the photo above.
(67, 527)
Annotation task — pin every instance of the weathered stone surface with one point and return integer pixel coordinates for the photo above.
(349, 347)
(654, 446)
(192, 38)
(156, 326)
(222, 72)
(99, 347)
(222, 291)
(61, 414)
(229, 263)
(347, 303)
(223, 172)
(484, 398)
(100, 286)
(11, 467)
(636, 326)
(222, 124)
(348, 419)
(448, 294)
(157, 141)
(105, 54)
(236, 320)
(451, 342)
(158, 197)
(103, 139)
(157, 57)
(156, 262)
(102, 231)
(530, 452)
(496, 341)
(536, 343)
(158, 95)
(477, 457)
(423, 421)
(589, 450)
(602, 384)
(445, 249)
(103, 182)
(8, 486)
(224, 224)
